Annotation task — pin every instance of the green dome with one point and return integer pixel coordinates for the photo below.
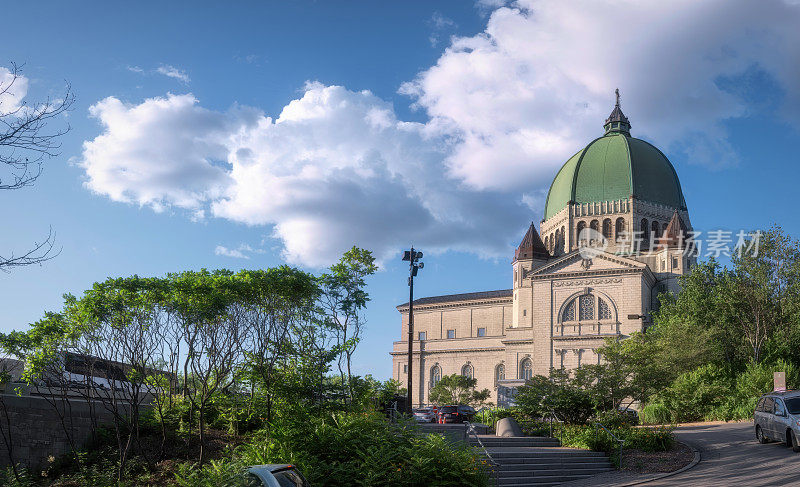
(613, 167)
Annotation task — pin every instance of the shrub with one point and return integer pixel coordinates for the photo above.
(350, 450)
(694, 394)
(569, 401)
(655, 412)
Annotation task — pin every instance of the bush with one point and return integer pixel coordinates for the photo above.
(351, 450)
(694, 394)
(569, 401)
(655, 412)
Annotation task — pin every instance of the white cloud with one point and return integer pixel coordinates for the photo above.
(237, 253)
(506, 107)
(135, 69)
(173, 72)
(537, 84)
(13, 91)
(335, 169)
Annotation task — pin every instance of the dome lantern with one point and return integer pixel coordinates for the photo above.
(617, 121)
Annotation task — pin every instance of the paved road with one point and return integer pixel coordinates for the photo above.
(730, 455)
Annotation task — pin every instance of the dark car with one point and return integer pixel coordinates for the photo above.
(456, 414)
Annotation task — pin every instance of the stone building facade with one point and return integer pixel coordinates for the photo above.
(615, 234)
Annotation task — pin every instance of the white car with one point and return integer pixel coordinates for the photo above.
(275, 475)
(425, 415)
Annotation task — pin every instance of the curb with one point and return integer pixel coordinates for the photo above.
(694, 462)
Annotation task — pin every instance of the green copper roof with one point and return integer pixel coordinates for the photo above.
(613, 167)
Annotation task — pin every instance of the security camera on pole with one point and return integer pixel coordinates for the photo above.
(413, 257)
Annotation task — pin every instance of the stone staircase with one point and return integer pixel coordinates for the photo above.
(540, 461)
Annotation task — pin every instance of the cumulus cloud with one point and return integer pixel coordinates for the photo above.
(536, 85)
(12, 91)
(173, 72)
(506, 107)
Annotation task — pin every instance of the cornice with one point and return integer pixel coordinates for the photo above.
(457, 304)
(459, 350)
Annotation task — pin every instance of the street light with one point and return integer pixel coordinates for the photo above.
(414, 265)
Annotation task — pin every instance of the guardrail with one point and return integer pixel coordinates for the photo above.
(552, 416)
(597, 427)
(469, 430)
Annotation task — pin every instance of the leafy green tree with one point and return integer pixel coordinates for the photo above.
(560, 393)
(457, 389)
(343, 299)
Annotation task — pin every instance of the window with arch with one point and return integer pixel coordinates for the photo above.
(607, 228)
(436, 375)
(619, 233)
(581, 226)
(587, 307)
(526, 369)
(499, 373)
(468, 371)
(645, 231)
(562, 240)
(655, 233)
(595, 225)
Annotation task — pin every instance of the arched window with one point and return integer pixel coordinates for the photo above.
(603, 311)
(645, 236)
(607, 228)
(581, 226)
(436, 375)
(499, 373)
(525, 369)
(569, 312)
(595, 225)
(620, 230)
(467, 371)
(655, 233)
(562, 243)
(587, 307)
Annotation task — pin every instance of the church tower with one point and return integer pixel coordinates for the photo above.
(530, 254)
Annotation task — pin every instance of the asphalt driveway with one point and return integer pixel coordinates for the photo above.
(730, 455)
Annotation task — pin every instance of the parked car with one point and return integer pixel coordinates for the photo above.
(777, 417)
(276, 475)
(456, 414)
(425, 415)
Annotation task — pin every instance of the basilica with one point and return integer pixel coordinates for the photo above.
(613, 236)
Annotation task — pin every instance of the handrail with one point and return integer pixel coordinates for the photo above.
(553, 416)
(621, 442)
(469, 429)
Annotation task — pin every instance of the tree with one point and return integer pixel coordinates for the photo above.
(25, 142)
(343, 298)
(560, 394)
(457, 389)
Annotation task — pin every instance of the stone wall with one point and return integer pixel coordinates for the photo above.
(36, 430)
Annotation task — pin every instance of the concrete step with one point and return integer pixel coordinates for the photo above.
(553, 472)
(572, 466)
(532, 441)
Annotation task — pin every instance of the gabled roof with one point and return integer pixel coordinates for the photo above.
(531, 246)
(675, 234)
(551, 267)
(502, 293)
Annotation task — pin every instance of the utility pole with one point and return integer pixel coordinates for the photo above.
(412, 256)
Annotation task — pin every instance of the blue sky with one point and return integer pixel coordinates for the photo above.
(289, 131)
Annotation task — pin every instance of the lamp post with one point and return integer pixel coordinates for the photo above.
(412, 256)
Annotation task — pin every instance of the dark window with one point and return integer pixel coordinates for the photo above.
(620, 228)
(287, 478)
(779, 409)
(405, 368)
(607, 228)
(768, 404)
(451, 333)
(674, 262)
(423, 335)
(760, 406)
(481, 332)
(793, 405)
